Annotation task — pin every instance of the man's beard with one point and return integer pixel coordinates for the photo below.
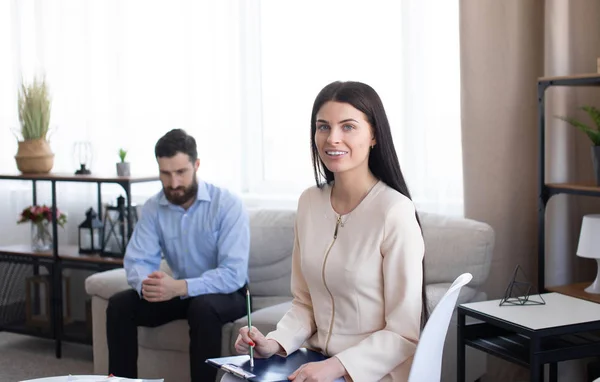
(180, 198)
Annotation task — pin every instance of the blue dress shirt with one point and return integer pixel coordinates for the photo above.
(207, 245)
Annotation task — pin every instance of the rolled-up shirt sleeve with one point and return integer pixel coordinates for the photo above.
(143, 254)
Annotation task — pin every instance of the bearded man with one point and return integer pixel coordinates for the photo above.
(203, 233)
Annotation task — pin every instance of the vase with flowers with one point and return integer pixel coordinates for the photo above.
(41, 225)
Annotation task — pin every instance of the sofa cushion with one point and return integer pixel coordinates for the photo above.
(261, 302)
(454, 246)
(271, 244)
(435, 292)
(170, 336)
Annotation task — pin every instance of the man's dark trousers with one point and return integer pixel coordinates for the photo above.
(206, 314)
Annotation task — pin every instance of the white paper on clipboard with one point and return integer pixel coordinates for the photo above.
(237, 371)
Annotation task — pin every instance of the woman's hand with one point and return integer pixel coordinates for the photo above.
(323, 371)
(263, 347)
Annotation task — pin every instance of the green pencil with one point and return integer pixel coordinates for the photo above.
(249, 326)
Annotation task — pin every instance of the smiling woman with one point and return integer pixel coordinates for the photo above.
(343, 137)
(359, 217)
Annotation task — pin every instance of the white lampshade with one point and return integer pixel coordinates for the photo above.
(589, 246)
(589, 237)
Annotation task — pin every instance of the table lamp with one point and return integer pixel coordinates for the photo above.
(589, 246)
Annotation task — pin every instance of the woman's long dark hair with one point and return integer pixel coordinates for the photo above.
(383, 161)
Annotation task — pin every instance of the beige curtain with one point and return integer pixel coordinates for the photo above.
(505, 46)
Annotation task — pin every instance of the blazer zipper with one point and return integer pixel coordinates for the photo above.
(335, 233)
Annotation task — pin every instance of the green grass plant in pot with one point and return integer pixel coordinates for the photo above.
(123, 168)
(34, 154)
(593, 134)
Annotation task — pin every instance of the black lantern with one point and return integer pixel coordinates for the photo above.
(116, 228)
(90, 233)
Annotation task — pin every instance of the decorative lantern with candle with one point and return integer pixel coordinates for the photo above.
(82, 154)
(90, 233)
(116, 228)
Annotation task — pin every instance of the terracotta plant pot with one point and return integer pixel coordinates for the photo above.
(34, 156)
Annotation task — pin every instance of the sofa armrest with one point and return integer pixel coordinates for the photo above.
(106, 284)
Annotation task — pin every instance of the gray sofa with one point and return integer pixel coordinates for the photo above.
(453, 246)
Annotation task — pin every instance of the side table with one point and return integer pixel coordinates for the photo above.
(531, 335)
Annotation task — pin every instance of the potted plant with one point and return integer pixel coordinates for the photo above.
(34, 154)
(592, 132)
(123, 168)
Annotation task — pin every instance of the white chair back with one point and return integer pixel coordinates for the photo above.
(427, 363)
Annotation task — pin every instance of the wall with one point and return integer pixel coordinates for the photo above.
(505, 47)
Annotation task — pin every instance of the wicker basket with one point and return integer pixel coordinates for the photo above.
(34, 156)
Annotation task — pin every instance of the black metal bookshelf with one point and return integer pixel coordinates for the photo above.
(547, 190)
(58, 259)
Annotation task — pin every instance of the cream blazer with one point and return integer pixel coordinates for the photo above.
(356, 282)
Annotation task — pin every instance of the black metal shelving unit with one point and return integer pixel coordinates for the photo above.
(65, 257)
(548, 190)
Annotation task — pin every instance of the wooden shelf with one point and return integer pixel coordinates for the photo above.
(587, 79)
(65, 252)
(71, 252)
(93, 178)
(576, 290)
(588, 189)
(23, 250)
(586, 76)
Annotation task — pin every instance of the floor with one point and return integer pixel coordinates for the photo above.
(24, 357)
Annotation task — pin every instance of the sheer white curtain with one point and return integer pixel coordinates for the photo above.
(408, 51)
(122, 73)
(241, 77)
(8, 119)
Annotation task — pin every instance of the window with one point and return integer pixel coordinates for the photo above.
(406, 50)
(240, 76)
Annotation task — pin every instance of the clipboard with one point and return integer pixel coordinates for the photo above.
(274, 369)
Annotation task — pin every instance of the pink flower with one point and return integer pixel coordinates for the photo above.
(38, 214)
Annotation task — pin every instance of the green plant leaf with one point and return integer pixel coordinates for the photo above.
(122, 154)
(594, 114)
(595, 137)
(593, 134)
(34, 109)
